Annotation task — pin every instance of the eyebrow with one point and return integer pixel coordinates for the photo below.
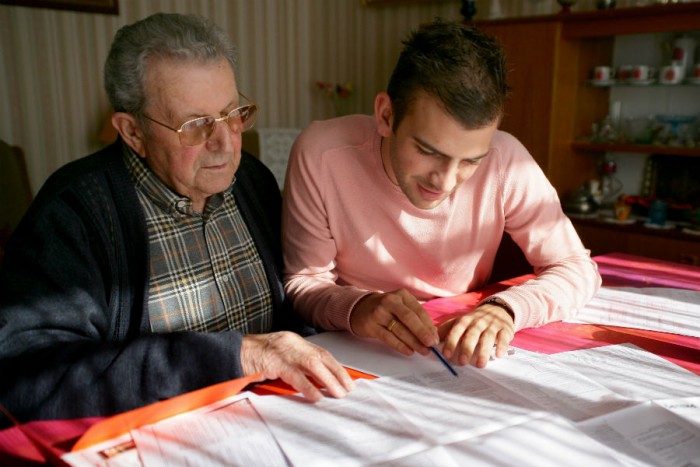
(437, 151)
(230, 106)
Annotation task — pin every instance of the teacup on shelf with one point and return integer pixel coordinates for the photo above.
(642, 74)
(671, 74)
(624, 73)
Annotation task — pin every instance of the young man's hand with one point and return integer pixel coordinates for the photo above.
(397, 319)
(470, 338)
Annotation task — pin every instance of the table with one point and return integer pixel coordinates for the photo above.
(616, 269)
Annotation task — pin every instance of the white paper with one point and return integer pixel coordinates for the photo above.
(233, 435)
(654, 308)
(117, 452)
(451, 409)
(554, 387)
(648, 434)
(687, 408)
(374, 357)
(521, 410)
(356, 430)
(436, 456)
(547, 441)
(632, 372)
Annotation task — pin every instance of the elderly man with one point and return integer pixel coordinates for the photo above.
(152, 267)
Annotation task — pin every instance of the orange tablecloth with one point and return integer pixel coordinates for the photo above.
(616, 269)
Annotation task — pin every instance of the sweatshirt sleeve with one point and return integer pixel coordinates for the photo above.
(566, 277)
(309, 247)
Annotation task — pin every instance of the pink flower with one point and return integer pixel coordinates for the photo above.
(342, 91)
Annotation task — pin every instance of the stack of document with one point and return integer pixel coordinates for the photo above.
(613, 405)
(652, 308)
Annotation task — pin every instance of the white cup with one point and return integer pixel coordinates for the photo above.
(642, 73)
(672, 74)
(683, 52)
(624, 73)
(603, 73)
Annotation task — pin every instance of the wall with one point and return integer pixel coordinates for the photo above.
(52, 103)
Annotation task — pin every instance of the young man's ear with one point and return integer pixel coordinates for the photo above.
(383, 114)
(130, 131)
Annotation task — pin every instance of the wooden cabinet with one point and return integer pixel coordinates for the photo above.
(531, 48)
(551, 106)
(602, 238)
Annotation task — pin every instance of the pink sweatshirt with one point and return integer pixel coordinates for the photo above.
(348, 230)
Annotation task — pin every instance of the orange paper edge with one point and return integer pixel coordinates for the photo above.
(127, 421)
(279, 387)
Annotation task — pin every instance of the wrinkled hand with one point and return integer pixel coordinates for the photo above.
(293, 359)
(397, 319)
(470, 338)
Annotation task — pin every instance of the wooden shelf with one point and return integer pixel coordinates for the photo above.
(673, 17)
(634, 20)
(551, 57)
(588, 146)
(643, 86)
(671, 245)
(636, 227)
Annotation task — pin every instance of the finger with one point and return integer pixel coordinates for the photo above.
(502, 342)
(453, 339)
(326, 379)
(469, 346)
(389, 338)
(416, 320)
(341, 374)
(302, 384)
(482, 352)
(404, 339)
(444, 328)
(337, 373)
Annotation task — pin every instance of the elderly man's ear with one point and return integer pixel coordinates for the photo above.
(129, 129)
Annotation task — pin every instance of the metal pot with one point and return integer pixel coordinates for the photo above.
(604, 4)
(580, 202)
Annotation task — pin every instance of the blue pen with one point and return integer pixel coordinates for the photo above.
(443, 360)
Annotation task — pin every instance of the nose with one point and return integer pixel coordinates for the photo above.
(446, 177)
(223, 138)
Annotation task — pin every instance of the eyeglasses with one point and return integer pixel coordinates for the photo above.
(199, 130)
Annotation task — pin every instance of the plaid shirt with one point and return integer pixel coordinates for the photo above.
(205, 272)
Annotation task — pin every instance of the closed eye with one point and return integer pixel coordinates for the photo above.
(470, 161)
(426, 152)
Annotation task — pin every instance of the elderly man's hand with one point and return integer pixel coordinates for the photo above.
(293, 359)
(470, 338)
(397, 319)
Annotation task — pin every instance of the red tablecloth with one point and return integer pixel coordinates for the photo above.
(616, 269)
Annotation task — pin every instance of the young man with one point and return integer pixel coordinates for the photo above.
(383, 212)
(153, 267)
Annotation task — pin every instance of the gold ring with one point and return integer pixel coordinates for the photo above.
(391, 325)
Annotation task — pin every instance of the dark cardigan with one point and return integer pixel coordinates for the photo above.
(74, 338)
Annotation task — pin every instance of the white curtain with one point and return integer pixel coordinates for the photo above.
(52, 102)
